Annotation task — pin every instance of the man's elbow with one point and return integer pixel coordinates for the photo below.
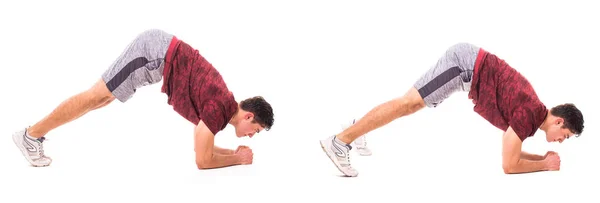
(203, 164)
(508, 168)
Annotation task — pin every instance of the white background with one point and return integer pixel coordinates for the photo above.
(319, 63)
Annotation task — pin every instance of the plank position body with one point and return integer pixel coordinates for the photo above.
(195, 90)
(501, 95)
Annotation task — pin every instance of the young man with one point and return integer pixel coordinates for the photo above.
(501, 95)
(194, 88)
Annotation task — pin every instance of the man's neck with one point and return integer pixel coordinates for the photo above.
(234, 119)
(545, 124)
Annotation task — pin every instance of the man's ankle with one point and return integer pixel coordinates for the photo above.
(32, 132)
(343, 139)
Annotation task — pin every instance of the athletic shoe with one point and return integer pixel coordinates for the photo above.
(360, 143)
(339, 153)
(31, 148)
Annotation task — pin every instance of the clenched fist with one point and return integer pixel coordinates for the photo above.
(552, 161)
(244, 154)
(241, 147)
(549, 152)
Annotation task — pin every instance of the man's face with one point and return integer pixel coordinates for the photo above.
(247, 128)
(556, 132)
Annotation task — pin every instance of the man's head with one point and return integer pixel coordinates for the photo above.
(254, 115)
(564, 121)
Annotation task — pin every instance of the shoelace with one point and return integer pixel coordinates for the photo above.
(41, 149)
(348, 154)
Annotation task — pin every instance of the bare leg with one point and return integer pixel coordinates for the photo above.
(73, 108)
(383, 114)
(104, 104)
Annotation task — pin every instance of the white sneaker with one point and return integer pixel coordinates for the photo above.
(31, 148)
(339, 155)
(361, 146)
(360, 143)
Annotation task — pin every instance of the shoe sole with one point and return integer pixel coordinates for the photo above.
(333, 159)
(24, 152)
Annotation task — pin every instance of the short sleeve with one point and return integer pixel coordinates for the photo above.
(523, 123)
(213, 116)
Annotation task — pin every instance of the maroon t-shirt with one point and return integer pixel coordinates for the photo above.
(195, 88)
(504, 97)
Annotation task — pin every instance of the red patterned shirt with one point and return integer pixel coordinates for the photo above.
(195, 88)
(504, 97)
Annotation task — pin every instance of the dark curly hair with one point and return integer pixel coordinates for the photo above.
(263, 113)
(572, 116)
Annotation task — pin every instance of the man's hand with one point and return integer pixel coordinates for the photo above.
(548, 153)
(241, 147)
(552, 161)
(244, 154)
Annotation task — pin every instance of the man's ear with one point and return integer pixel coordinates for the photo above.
(559, 121)
(248, 115)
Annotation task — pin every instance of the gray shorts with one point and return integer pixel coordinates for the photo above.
(140, 64)
(453, 72)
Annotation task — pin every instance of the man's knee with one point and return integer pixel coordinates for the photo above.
(412, 101)
(416, 105)
(110, 100)
(412, 105)
(107, 100)
(100, 94)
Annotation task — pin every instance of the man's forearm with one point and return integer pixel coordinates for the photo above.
(525, 166)
(533, 157)
(223, 151)
(219, 160)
